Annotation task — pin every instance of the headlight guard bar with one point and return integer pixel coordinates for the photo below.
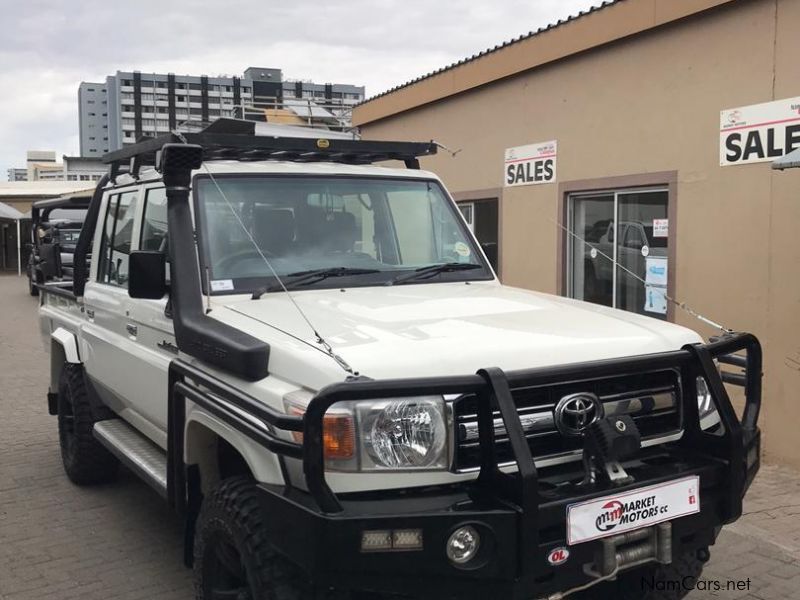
(493, 387)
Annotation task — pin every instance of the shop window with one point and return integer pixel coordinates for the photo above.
(629, 227)
(482, 219)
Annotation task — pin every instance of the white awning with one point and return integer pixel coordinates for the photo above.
(788, 161)
(9, 212)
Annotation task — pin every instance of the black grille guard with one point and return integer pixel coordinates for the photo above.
(493, 388)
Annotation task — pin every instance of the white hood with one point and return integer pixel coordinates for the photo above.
(455, 328)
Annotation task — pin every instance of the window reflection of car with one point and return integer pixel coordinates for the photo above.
(635, 243)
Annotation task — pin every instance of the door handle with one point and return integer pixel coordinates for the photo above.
(132, 329)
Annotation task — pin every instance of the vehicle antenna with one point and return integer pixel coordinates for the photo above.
(325, 346)
(681, 305)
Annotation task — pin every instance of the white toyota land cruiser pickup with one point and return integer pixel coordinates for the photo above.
(310, 358)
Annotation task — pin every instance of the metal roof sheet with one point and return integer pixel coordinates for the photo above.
(500, 46)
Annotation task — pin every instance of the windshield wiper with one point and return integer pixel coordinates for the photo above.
(311, 276)
(431, 270)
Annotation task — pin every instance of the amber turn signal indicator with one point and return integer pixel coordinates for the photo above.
(338, 435)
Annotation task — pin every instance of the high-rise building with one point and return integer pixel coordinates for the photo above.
(150, 104)
(328, 104)
(93, 118)
(131, 105)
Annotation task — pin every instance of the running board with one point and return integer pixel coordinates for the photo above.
(137, 452)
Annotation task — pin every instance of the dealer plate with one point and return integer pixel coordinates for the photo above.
(622, 512)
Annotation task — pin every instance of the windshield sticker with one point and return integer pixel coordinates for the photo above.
(593, 252)
(462, 249)
(222, 285)
(645, 250)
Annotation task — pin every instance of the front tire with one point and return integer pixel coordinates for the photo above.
(232, 556)
(86, 461)
(32, 289)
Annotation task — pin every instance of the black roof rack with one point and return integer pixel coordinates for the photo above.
(80, 199)
(228, 146)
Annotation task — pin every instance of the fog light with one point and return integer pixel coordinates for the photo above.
(375, 541)
(385, 540)
(407, 539)
(463, 545)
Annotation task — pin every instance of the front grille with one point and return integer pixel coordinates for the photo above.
(651, 399)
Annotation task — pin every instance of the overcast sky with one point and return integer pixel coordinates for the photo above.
(49, 46)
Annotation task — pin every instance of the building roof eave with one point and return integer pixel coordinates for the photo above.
(611, 21)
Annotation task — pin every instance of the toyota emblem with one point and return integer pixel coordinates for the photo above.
(574, 413)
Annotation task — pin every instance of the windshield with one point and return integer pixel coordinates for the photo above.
(74, 215)
(384, 226)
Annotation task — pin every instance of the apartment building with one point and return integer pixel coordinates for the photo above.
(131, 104)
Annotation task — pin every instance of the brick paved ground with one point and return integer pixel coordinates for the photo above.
(59, 542)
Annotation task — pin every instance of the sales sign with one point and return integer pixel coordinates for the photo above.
(759, 132)
(530, 165)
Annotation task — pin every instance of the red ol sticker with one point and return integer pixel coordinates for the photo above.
(558, 556)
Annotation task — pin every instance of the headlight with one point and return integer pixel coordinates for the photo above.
(705, 405)
(407, 433)
(391, 434)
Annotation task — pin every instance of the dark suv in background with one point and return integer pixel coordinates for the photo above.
(55, 227)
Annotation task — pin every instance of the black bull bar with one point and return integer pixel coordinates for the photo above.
(737, 446)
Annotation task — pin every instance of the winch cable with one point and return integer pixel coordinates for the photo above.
(325, 346)
(580, 588)
(682, 305)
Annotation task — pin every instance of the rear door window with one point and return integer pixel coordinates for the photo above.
(116, 240)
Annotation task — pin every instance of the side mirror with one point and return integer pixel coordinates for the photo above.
(147, 274)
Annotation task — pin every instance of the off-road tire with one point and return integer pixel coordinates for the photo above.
(635, 584)
(32, 289)
(86, 461)
(231, 519)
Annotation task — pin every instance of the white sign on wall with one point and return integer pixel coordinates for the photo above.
(660, 228)
(759, 132)
(530, 165)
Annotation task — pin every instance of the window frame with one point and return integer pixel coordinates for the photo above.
(655, 181)
(117, 196)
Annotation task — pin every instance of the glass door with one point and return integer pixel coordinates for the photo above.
(629, 227)
(592, 275)
(642, 250)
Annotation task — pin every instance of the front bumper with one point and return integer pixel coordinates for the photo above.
(521, 516)
(329, 545)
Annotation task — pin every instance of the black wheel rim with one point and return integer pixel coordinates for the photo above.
(225, 575)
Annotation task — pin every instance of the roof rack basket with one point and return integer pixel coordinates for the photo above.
(228, 146)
